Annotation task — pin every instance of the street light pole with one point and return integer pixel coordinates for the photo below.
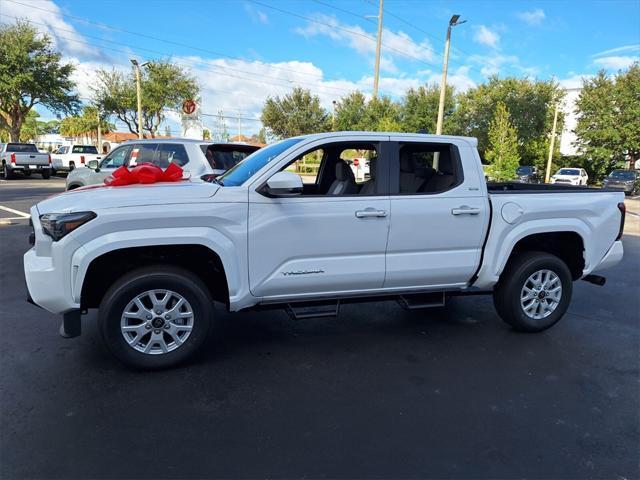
(443, 84)
(138, 95)
(376, 75)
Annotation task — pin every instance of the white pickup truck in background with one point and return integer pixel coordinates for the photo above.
(68, 157)
(24, 158)
(154, 258)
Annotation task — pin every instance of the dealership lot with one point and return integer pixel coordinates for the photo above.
(376, 392)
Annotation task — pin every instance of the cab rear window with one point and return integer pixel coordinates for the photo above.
(21, 148)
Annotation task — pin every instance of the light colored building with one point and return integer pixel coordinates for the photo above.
(568, 108)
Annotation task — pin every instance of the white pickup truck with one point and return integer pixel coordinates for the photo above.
(67, 157)
(155, 258)
(24, 158)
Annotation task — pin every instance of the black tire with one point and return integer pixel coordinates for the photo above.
(125, 289)
(508, 291)
(7, 174)
(45, 174)
(72, 165)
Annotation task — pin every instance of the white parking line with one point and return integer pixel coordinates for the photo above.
(16, 212)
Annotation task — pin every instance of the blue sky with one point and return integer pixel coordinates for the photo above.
(241, 51)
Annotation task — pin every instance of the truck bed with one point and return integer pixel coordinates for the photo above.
(519, 187)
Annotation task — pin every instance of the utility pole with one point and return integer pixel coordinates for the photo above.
(552, 144)
(376, 75)
(333, 115)
(99, 132)
(138, 95)
(547, 174)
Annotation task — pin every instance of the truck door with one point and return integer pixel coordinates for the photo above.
(439, 214)
(332, 237)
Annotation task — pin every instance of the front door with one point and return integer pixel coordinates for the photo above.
(330, 239)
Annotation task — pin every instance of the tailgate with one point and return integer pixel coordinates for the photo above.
(27, 159)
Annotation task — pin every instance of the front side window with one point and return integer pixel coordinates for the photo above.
(427, 168)
(168, 153)
(142, 153)
(244, 170)
(341, 168)
(117, 157)
(623, 174)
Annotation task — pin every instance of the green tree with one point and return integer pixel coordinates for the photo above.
(350, 111)
(163, 85)
(502, 153)
(608, 127)
(84, 124)
(530, 103)
(419, 109)
(297, 113)
(31, 73)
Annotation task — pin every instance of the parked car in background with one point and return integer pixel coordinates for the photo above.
(626, 180)
(153, 259)
(188, 154)
(223, 156)
(360, 167)
(528, 174)
(24, 158)
(570, 176)
(68, 157)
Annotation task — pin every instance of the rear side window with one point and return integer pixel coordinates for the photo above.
(22, 148)
(171, 153)
(425, 168)
(84, 149)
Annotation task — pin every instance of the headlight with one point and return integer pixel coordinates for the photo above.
(57, 225)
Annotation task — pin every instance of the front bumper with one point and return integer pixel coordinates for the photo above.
(47, 284)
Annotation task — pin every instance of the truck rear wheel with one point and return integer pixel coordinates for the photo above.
(46, 174)
(534, 291)
(6, 172)
(155, 317)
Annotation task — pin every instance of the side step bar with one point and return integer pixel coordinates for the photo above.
(302, 310)
(595, 279)
(422, 300)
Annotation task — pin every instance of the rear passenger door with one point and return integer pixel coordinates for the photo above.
(439, 215)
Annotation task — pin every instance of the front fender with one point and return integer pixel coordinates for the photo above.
(209, 237)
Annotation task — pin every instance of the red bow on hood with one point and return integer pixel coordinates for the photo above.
(144, 173)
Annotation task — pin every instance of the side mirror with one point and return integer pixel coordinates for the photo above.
(93, 164)
(284, 184)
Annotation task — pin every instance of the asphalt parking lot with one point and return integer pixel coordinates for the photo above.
(378, 392)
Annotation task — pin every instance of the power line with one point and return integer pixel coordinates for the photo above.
(338, 27)
(207, 65)
(171, 42)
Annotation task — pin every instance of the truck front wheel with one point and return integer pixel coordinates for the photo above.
(534, 291)
(155, 317)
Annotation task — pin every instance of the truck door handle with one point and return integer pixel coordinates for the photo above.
(464, 210)
(370, 212)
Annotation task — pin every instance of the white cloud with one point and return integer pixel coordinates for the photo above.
(616, 62)
(394, 44)
(63, 35)
(494, 64)
(625, 48)
(534, 17)
(486, 36)
(256, 15)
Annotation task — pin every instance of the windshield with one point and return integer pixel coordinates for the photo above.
(623, 174)
(254, 162)
(569, 171)
(22, 148)
(524, 171)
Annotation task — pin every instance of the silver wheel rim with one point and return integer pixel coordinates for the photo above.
(541, 294)
(157, 322)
